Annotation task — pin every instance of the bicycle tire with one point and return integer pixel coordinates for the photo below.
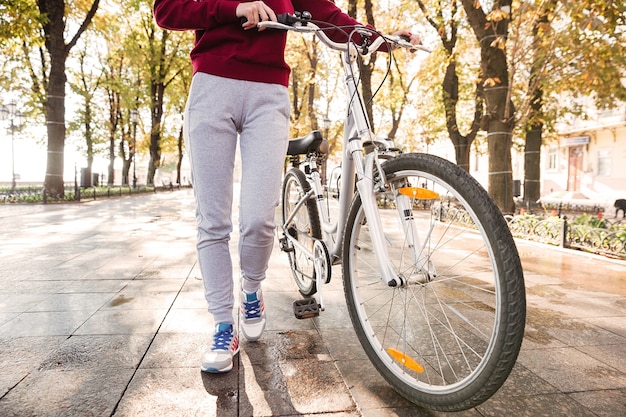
(305, 227)
(462, 317)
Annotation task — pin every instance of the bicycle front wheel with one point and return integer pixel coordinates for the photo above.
(304, 228)
(449, 335)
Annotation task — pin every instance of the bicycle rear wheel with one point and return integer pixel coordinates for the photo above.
(305, 227)
(449, 336)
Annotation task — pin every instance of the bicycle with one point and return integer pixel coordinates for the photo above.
(432, 278)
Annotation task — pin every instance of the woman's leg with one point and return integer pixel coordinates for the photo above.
(211, 139)
(263, 145)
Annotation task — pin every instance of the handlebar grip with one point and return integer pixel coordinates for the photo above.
(286, 18)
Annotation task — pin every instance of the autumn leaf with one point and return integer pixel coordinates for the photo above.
(499, 43)
(491, 82)
(497, 15)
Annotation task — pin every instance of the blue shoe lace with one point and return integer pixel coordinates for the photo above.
(223, 337)
(252, 306)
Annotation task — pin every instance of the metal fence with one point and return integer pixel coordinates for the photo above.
(587, 233)
(73, 193)
(584, 232)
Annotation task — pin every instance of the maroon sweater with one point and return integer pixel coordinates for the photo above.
(224, 49)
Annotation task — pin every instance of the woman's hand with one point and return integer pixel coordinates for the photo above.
(254, 12)
(413, 38)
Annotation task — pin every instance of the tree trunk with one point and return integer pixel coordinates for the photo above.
(532, 152)
(54, 30)
(462, 143)
(366, 69)
(180, 156)
(500, 168)
(55, 103)
(532, 164)
(111, 167)
(447, 30)
(157, 90)
(88, 133)
(499, 110)
(125, 161)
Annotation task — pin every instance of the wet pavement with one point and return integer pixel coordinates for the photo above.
(102, 314)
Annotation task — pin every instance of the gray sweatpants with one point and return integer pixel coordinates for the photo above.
(219, 112)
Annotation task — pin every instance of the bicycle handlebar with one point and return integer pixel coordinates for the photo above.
(305, 25)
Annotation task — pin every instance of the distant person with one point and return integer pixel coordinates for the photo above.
(620, 204)
(238, 92)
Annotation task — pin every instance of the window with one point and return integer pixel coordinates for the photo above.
(553, 157)
(604, 163)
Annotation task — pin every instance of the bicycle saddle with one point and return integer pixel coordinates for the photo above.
(313, 142)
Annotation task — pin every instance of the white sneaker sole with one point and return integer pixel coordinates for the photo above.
(253, 331)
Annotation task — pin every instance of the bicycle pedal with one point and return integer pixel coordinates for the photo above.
(306, 308)
(284, 246)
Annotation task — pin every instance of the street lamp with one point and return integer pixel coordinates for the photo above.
(16, 119)
(134, 118)
(326, 124)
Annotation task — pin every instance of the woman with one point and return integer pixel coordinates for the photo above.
(238, 92)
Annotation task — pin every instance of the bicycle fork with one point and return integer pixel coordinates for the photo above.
(366, 187)
(421, 269)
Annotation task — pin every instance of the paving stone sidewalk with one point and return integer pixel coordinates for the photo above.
(102, 314)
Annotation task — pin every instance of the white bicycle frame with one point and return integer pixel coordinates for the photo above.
(357, 131)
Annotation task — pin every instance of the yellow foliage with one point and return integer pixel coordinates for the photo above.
(499, 42)
(491, 82)
(497, 15)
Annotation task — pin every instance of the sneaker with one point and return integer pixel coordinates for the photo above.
(219, 358)
(253, 313)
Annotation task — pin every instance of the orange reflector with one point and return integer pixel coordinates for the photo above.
(418, 193)
(405, 360)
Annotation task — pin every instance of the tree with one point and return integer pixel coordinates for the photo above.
(53, 80)
(366, 66)
(446, 23)
(491, 30)
(85, 85)
(19, 20)
(302, 53)
(117, 85)
(541, 49)
(113, 68)
(161, 57)
(399, 95)
(177, 98)
(563, 49)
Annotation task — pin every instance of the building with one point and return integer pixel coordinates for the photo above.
(588, 161)
(586, 165)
